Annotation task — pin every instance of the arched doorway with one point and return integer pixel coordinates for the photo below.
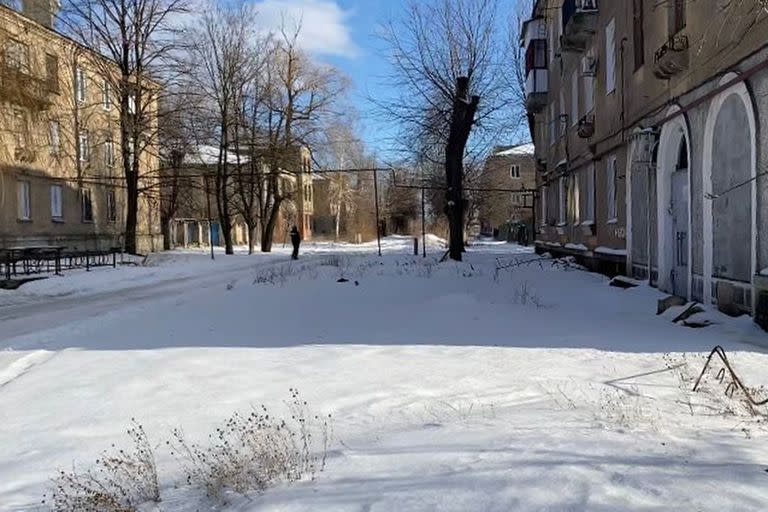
(730, 214)
(674, 207)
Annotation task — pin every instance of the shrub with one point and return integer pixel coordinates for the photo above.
(252, 452)
(120, 481)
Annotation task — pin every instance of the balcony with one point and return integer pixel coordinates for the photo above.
(536, 89)
(23, 89)
(579, 24)
(586, 128)
(672, 58)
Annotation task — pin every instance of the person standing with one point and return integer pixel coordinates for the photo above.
(296, 241)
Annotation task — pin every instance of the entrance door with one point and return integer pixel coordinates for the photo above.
(680, 232)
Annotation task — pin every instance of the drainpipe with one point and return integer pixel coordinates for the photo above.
(623, 84)
(651, 167)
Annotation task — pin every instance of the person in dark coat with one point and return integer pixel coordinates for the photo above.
(296, 241)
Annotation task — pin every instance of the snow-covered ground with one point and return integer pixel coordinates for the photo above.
(452, 386)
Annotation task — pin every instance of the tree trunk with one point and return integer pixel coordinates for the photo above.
(251, 238)
(131, 216)
(268, 233)
(338, 222)
(462, 120)
(165, 225)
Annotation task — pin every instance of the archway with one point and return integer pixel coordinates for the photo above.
(673, 187)
(730, 193)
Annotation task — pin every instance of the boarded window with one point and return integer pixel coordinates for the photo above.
(111, 206)
(610, 57)
(52, 73)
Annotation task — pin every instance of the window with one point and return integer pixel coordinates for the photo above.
(83, 146)
(575, 98)
(52, 73)
(17, 56)
(86, 206)
(589, 196)
(80, 86)
(562, 197)
(517, 199)
(574, 198)
(544, 192)
(611, 179)
(106, 96)
(610, 57)
(536, 55)
(25, 205)
(111, 206)
(20, 129)
(638, 35)
(109, 153)
(54, 137)
(57, 213)
(589, 82)
(514, 172)
(677, 16)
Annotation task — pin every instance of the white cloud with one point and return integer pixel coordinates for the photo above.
(324, 29)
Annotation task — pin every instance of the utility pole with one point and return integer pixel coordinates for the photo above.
(376, 200)
(210, 217)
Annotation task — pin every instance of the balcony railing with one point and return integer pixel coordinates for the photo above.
(672, 58)
(579, 24)
(536, 89)
(21, 88)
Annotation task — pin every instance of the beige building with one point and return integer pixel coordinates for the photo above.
(646, 121)
(195, 222)
(506, 183)
(60, 178)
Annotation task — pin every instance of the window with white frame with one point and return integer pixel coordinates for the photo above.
(611, 179)
(83, 146)
(610, 57)
(57, 211)
(24, 200)
(80, 85)
(562, 194)
(575, 98)
(54, 137)
(514, 171)
(106, 95)
(109, 153)
(589, 196)
(20, 128)
(86, 205)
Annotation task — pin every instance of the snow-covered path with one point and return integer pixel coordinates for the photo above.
(452, 387)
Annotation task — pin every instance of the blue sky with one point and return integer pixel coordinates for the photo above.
(344, 33)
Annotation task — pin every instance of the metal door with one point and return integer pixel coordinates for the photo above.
(680, 232)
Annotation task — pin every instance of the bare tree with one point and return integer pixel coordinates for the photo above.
(132, 42)
(224, 60)
(299, 97)
(448, 58)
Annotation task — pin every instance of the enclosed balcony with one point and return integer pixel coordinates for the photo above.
(579, 24)
(672, 58)
(586, 128)
(534, 40)
(536, 90)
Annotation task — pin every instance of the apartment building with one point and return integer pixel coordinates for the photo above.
(508, 179)
(61, 182)
(646, 116)
(193, 217)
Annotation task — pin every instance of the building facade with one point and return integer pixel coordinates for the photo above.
(646, 118)
(194, 219)
(507, 181)
(60, 178)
